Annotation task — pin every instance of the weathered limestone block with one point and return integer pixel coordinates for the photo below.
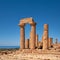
(27, 43)
(22, 37)
(22, 33)
(36, 40)
(45, 37)
(26, 20)
(40, 44)
(30, 40)
(50, 42)
(32, 36)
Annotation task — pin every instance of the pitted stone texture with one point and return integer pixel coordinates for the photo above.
(50, 42)
(22, 37)
(36, 40)
(32, 37)
(40, 45)
(45, 37)
(27, 44)
(33, 32)
(26, 20)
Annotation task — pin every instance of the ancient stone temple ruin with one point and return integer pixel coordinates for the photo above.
(33, 42)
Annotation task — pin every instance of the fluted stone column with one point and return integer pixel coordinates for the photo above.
(35, 33)
(33, 36)
(50, 42)
(22, 37)
(27, 43)
(36, 40)
(30, 40)
(45, 37)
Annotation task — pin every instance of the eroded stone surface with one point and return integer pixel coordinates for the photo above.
(45, 50)
(36, 54)
(22, 33)
(45, 37)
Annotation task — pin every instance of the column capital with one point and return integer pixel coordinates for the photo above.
(22, 25)
(45, 27)
(33, 24)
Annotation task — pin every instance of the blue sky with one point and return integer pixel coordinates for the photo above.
(42, 11)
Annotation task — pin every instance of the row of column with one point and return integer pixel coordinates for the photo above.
(33, 42)
(32, 36)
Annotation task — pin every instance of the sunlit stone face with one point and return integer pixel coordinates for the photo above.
(22, 33)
